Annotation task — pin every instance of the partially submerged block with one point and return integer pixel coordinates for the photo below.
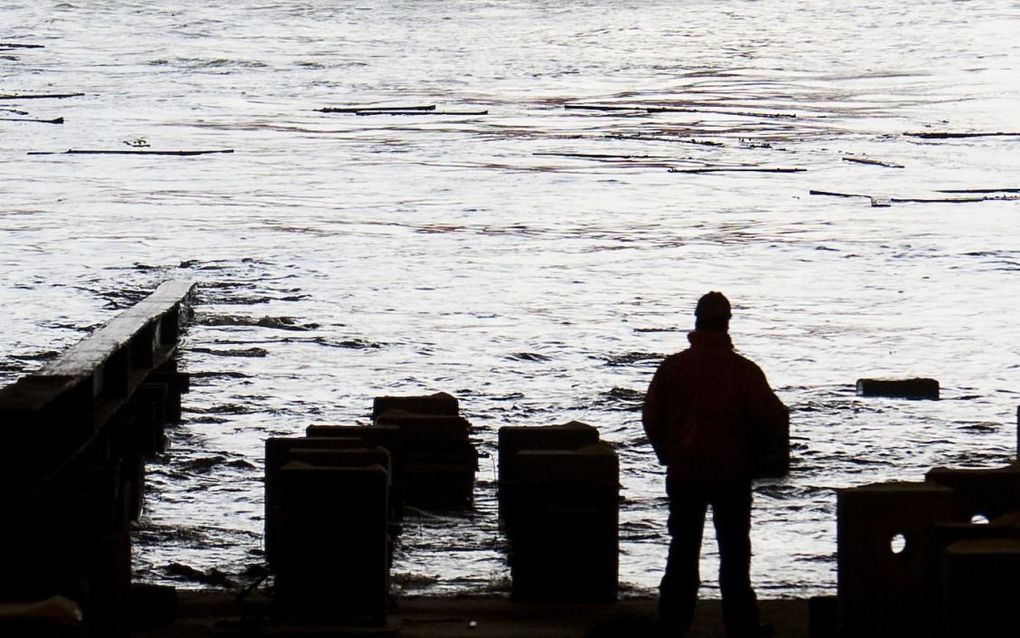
(980, 588)
(327, 452)
(426, 430)
(560, 513)
(437, 457)
(438, 403)
(566, 554)
(887, 555)
(332, 563)
(989, 493)
(916, 388)
(513, 439)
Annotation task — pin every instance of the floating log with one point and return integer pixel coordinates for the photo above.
(56, 120)
(671, 109)
(39, 96)
(356, 109)
(980, 190)
(74, 151)
(660, 138)
(951, 200)
(871, 162)
(881, 202)
(942, 135)
(749, 169)
(18, 45)
(835, 194)
(599, 156)
(419, 112)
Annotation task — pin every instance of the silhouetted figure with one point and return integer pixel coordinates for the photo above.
(704, 413)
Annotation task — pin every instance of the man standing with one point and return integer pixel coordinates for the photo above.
(706, 414)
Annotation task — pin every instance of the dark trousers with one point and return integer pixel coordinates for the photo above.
(731, 515)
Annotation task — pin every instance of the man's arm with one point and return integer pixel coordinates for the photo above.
(653, 414)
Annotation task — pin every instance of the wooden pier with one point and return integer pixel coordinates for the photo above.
(76, 435)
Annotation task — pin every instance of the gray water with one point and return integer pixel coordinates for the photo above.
(536, 261)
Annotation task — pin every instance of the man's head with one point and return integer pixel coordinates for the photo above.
(712, 312)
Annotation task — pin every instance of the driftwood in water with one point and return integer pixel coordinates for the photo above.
(742, 169)
(871, 162)
(358, 109)
(671, 109)
(18, 45)
(949, 136)
(882, 202)
(980, 190)
(56, 120)
(599, 156)
(416, 112)
(39, 96)
(835, 194)
(663, 138)
(424, 109)
(75, 151)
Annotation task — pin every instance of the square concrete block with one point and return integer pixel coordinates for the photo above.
(887, 554)
(596, 463)
(278, 452)
(333, 548)
(438, 403)
(916, 388)
(567, 554)
(426, 431)
(513, 439)
(987, 493)
(981, 588)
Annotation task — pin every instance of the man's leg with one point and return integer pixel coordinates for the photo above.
(731, 514)
(678, 591)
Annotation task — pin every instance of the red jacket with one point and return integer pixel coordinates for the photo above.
(706, 411)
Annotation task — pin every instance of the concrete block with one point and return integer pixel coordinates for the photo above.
(884, 587)
(916, 388)
(353, 457)
(438, 403)
(566, 554)
(567, 436)
(989, 493)
(332, 565)
(980, 588)
(278, 452)
(385, 436)
(596, 463)
(426, 431)
(439, 485)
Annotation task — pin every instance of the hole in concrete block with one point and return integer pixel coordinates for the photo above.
(979, 519)
(898, 544)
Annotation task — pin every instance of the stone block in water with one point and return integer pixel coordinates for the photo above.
(426, 431)
(986, 493)
(513, 439)
(887, 555)
(979, 588)
(916, 388)
(438, 403)
(332, 562)
(565, 554)
(438, 460)
(278, 453)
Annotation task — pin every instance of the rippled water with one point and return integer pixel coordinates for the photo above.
(537, 260)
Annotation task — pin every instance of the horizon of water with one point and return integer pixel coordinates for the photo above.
(536, 261)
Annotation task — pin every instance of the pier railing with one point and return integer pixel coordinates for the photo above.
(75, 438)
